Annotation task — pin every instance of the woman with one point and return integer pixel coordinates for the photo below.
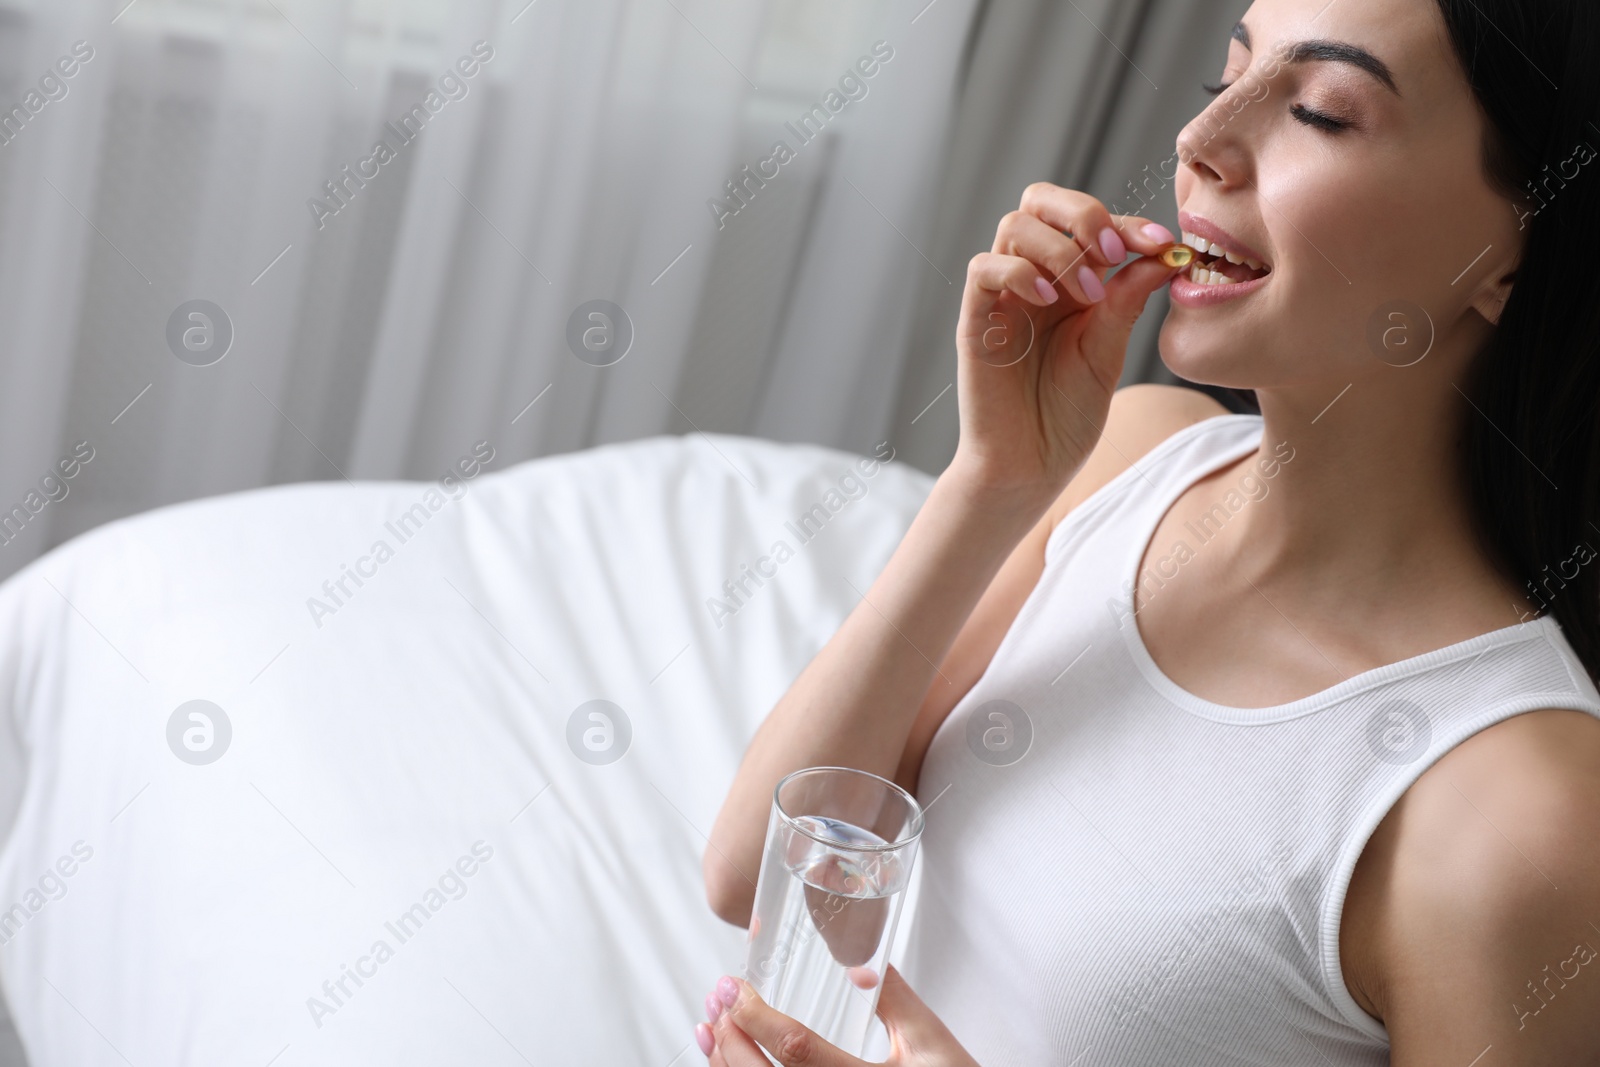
(1314, 769)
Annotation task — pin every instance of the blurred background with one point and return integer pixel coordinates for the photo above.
(213, 279)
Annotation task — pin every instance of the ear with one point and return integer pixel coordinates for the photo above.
(1490, 300)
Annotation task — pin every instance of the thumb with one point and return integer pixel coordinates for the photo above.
(791, 1044)
(1111, 320)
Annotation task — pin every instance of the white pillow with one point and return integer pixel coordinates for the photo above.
(399, 770)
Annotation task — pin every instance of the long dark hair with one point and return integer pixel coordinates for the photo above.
(1530, 438)
(1531, 449)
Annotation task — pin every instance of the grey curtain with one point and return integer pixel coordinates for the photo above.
(432, 310)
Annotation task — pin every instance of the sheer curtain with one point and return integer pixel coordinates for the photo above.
(375, 313)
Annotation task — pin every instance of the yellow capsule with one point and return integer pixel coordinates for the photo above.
(1177, 256)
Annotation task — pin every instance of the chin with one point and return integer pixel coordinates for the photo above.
(1209, 355)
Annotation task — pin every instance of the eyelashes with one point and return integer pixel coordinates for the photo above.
(1314, 119)
(1317, 119)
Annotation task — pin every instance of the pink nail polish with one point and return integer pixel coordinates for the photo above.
(702, 1037)
(1157, 232)
(1111, 244)
(1091, 285)
(727, 992)
(1047, 292)
(713, 1007)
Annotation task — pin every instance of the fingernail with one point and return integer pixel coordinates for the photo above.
(1157, 232)
(727, 991)
(713, 1007)
(1091, 289)
(1111, 244)
(1047, 292)
(702, 1036)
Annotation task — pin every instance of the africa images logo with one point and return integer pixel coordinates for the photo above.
(199, 332)
(807, 128)
(599, 732)
(453, 84)
(451, 885)
(199, 732)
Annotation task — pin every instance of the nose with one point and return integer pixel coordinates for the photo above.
(1213, 144)
(1200, 167)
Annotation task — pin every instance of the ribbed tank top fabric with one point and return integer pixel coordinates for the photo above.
(1159, 879)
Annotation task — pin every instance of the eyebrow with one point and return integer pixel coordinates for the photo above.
(1330, 52)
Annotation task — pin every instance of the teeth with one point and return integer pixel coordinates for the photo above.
(1200, 244)
(1201, 276)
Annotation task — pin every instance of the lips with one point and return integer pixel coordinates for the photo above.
(1224, 267)
(1187, 292)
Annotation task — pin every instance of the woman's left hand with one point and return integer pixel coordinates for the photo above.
(742, 1020)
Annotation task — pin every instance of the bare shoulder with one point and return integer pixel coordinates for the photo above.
(1141, 417)
(1471, 920)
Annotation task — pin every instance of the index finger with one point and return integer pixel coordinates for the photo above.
(1088, 220)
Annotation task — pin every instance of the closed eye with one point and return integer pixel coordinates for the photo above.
(1317, 119)
(1314, 119)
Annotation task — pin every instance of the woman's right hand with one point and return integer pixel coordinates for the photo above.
(1042, 337)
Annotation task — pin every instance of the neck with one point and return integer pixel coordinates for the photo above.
(1373, 502)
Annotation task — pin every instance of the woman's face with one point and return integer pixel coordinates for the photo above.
(1347, 155)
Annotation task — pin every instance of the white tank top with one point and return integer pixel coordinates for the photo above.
(1159, 879)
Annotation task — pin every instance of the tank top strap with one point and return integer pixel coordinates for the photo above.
(1149, 485)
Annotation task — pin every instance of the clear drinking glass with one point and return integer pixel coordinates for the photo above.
(838, 857)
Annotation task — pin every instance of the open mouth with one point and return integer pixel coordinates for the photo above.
(1214, 265)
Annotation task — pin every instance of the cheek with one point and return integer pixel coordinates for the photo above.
(1322, 217)
(1386, 259)
(1348, 239)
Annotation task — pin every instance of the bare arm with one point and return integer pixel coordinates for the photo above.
(855, 703)
(872, 698)
(1469, 926)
